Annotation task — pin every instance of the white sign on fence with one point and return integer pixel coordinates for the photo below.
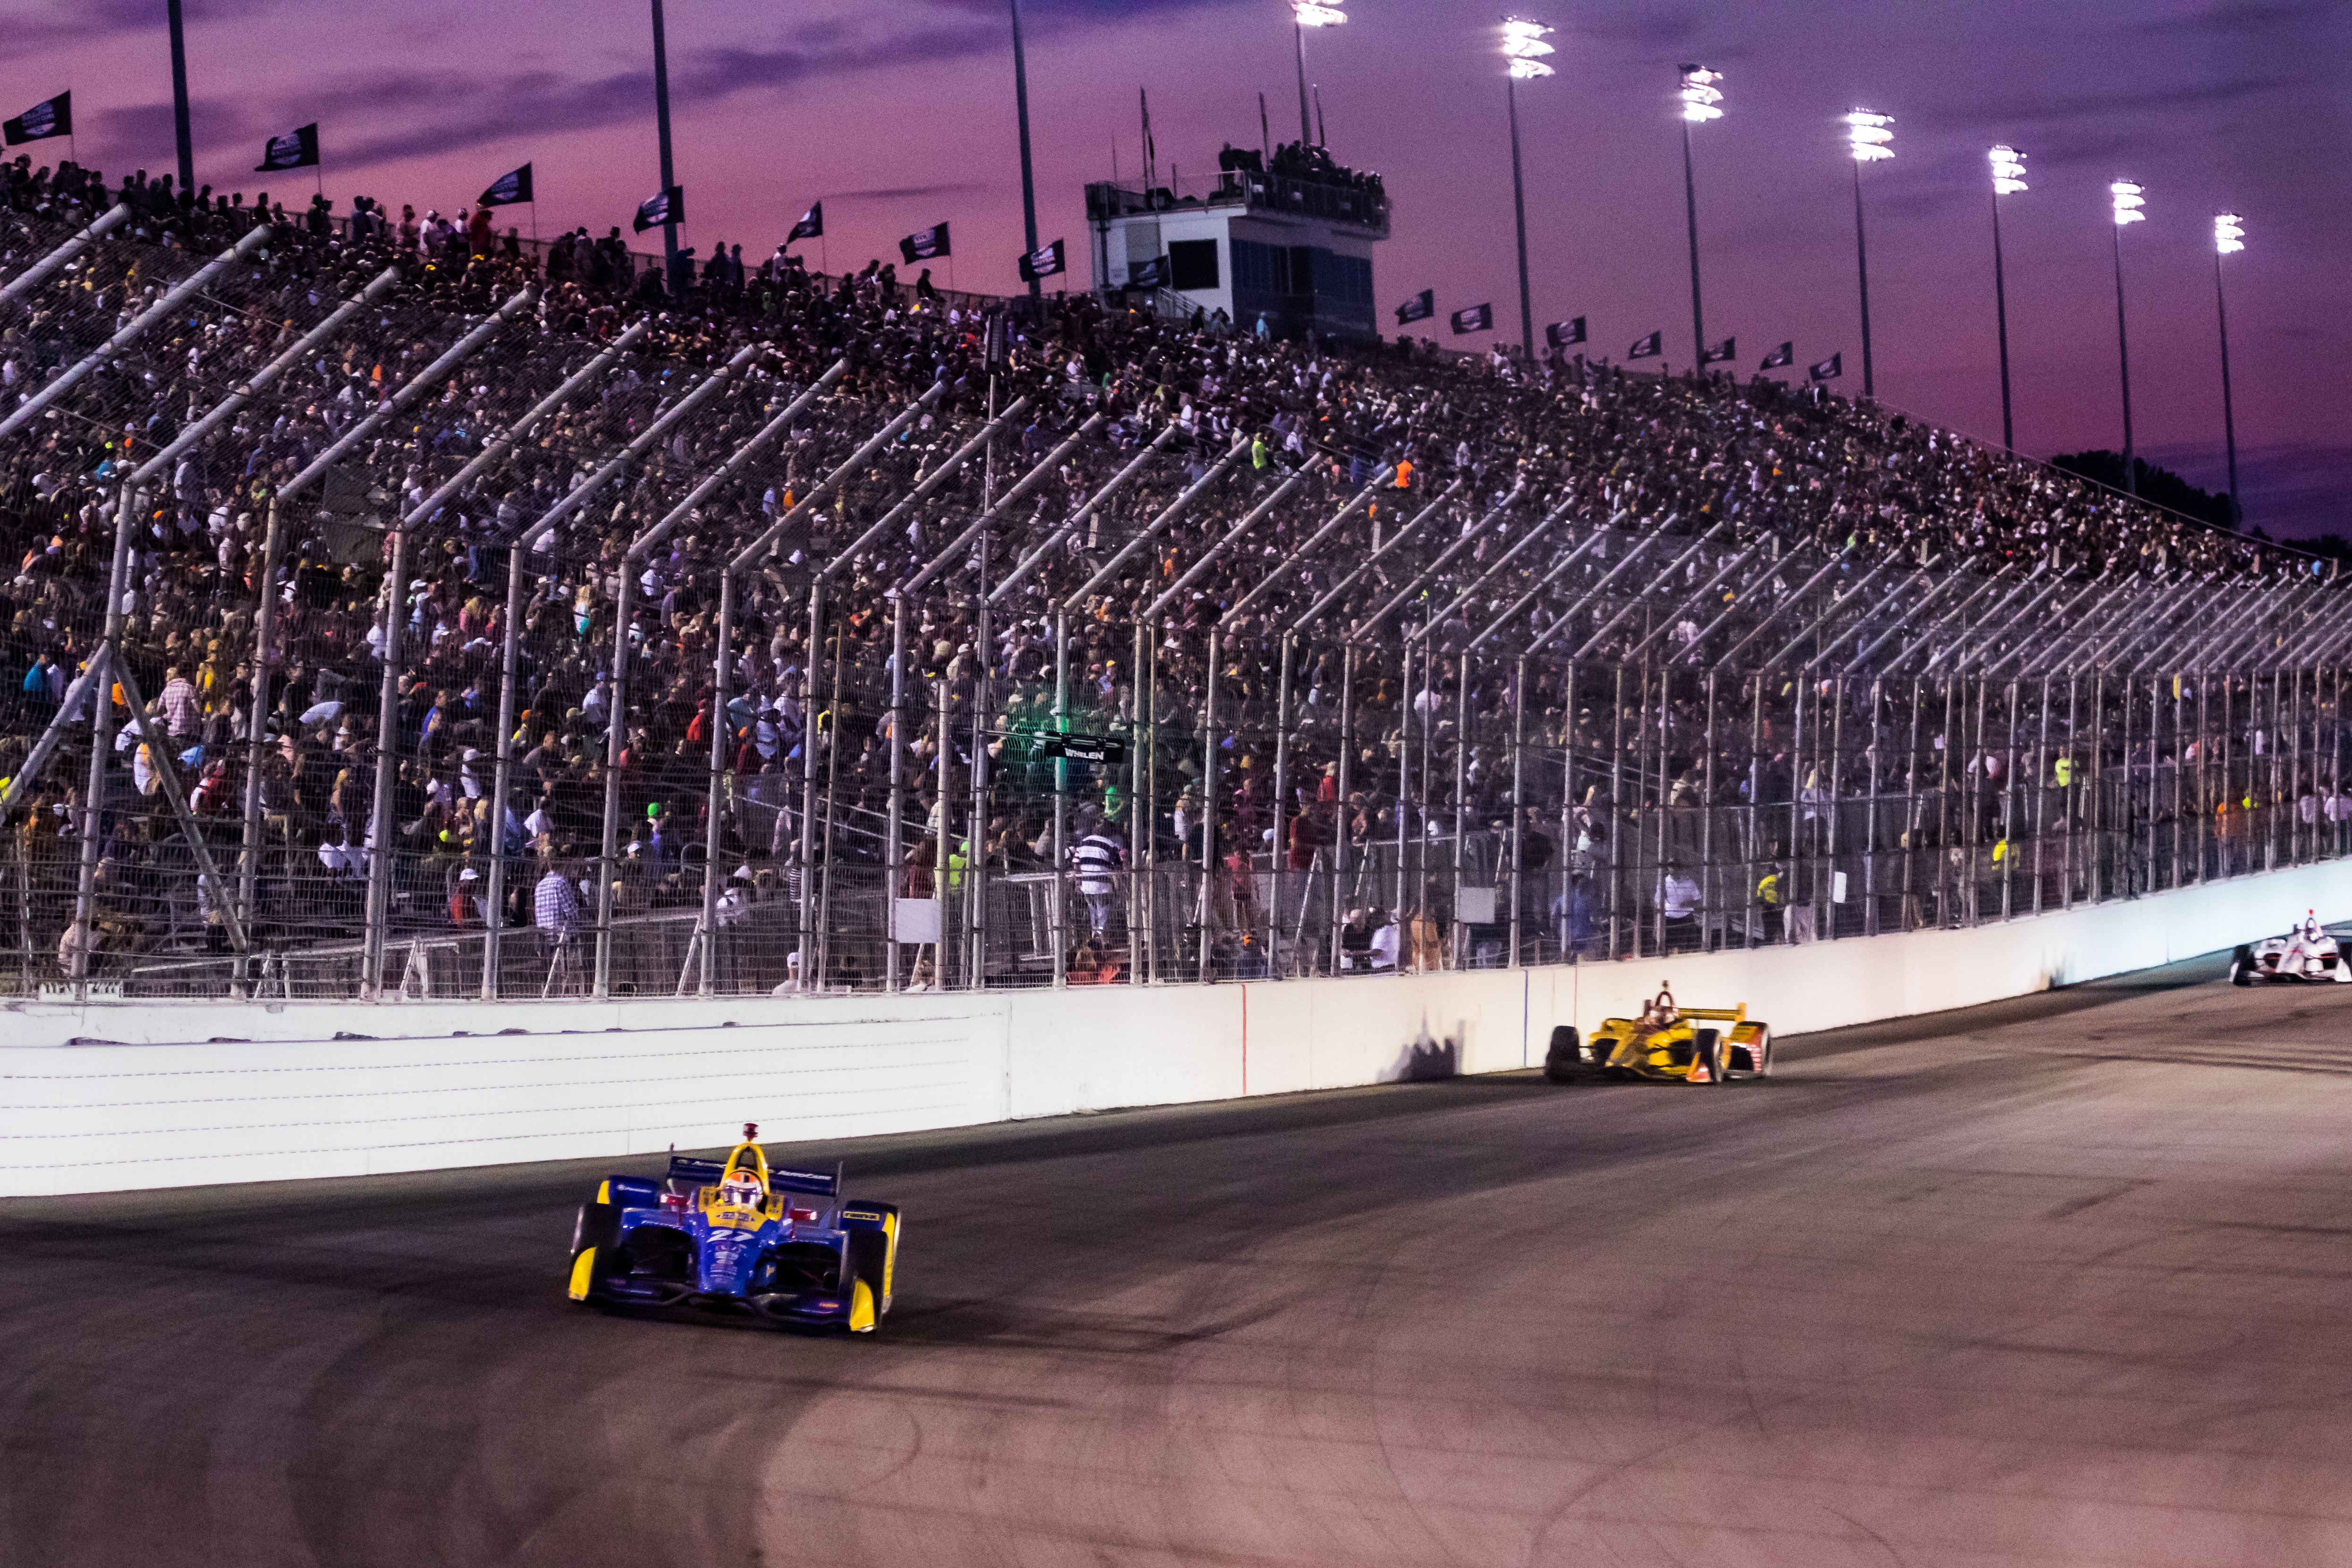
(914, 920)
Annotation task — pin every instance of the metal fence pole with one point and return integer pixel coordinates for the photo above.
(265, 623)
(502, 776)
(1210, 783)
(382, 830)
(1278, 861)
(894, 821)
(715, 800)
(1518, 803)
(1340, 823)
(1057, 922)
(101, 736)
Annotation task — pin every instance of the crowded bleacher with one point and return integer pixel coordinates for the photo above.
(1774, 506)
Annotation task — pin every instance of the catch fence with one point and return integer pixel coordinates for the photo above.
(541, 666)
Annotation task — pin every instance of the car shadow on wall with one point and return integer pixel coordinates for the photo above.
(1427, 1058)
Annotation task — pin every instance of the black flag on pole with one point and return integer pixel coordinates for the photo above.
(295, 149)
(1420, 308)
(1780, 359)
(810, 226)
(1560, 334)
(925, 245)
(1720, 352)
(669, 207)
(509, 190)
(1152, 274)
(50, 117)
(1477, 319)
(1042, 262)
(1648, 347)
(1828, 369)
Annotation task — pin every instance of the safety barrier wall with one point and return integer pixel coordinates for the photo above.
(119, 1096)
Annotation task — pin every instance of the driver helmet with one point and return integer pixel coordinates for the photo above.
(739, 1186)
(2311, 926)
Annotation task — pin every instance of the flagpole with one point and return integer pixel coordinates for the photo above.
(1028, 176)
(661, 116)
(187, 147)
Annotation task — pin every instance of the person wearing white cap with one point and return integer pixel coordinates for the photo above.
(791, 986)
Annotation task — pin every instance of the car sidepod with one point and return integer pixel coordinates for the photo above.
(1751, 1050)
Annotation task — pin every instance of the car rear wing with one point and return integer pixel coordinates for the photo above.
(782, 1178)
(822, 1183)
(684, 1168)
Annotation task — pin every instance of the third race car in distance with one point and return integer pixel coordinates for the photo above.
(1667, 1042)
(2306, 953)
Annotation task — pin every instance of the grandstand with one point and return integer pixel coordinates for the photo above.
(441, 618)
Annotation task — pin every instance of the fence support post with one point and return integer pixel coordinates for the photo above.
(382, 831)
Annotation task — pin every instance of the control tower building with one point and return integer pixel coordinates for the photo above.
(1291, 242)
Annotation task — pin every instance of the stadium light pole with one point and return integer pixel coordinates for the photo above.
(2229, 238)
(1523, 47)
(187, 145)
(1699, 97)
(1028, 174)
(1869, 139)
(1304, 14)
(2126, 203)
(661, 120)
(2008, 179)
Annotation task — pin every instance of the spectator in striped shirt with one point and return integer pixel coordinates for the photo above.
(1097, 859)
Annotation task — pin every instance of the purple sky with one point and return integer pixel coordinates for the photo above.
(899, 114)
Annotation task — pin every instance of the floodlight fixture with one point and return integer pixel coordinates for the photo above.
(1308, 14)
(2008, 171)
(1523, 46)
(1867, 136)
(2228, 235)
(1699, 94)
(2127, 203)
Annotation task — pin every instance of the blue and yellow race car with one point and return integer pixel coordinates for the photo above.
(738, 1236)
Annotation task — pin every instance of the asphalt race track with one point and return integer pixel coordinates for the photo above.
(2060, 1281)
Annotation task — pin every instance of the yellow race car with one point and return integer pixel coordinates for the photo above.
(1667, 1042)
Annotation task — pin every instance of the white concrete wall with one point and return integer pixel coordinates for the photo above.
(116, 1096)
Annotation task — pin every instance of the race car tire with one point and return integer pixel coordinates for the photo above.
(2242, 966)
(1759, 1055)
(1565, 1059)
(597, 1225)
(596, 1243)
(1715, 1054)
(884, 1220)
(866, 1268)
